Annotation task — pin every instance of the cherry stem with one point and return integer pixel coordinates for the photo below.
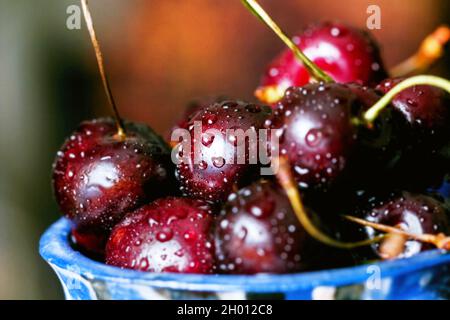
(287, 182)
(312, 68)
(440, 240)
(430, 50)
(101, 67)
(371, 114)
(392, 246)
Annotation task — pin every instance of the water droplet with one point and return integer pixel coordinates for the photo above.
(209, 119)
(256, 211)
(335, 32)
(301, 171)
(260, 252)
(143, 265)
(207, 139)
(313, 137)
(411, 102)
(224, 224)
(273, 72)
(218, 162)
(164, 235)
(242, 233)
(202, 165)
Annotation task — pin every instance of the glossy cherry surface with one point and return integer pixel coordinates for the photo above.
(168, 235)
(316, 131)
(98, 177)
(347, 54)
(257, 231)
(218, 167)
(193, 107)
(413, 213)
(424, 114)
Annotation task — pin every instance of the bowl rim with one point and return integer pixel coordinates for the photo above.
(55, 249)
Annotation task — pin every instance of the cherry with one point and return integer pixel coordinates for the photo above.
(413, 213)
(367, 96)
(257, 231)
(107, 168)
(352, 114)
(193, 107)
(418, 128)
(423, 109)
(168, 235)
(98, 177)
(213, 177)
(347, 54)
(316, 131)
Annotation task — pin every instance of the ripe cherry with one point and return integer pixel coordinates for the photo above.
(98, 176)
(107, 168)
(423, 109)
(168, 235)
(257, 231)
(192, 108)
(316, 131)
(218, 169)
(347, 54)
(414, 213)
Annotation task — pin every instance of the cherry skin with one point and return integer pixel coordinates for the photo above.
(217, 169)
(257, 231)
(345, 53)
(168, 235)
(193, 107)
(316, 132)
(421, 119)
(424, 111)
(413, 213)
(98, 177)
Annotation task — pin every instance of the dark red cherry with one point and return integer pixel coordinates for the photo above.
(413, 213)
(421, 119)
(367, 96)
(193, 107)
(168, 235)
(316, 131)
(98, 177)
(257, 231)
(217, 168)
(347, 54)
(423, 109)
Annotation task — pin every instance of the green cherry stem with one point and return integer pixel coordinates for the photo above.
(312, 68)
(101, 67)
(286, 181)
(371, 114)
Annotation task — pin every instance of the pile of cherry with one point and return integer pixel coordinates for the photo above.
(132, 207)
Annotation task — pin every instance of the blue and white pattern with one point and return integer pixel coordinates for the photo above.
(424, 276)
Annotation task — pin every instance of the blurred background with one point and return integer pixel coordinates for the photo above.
(160, 54)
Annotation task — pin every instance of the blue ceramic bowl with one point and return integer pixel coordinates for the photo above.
(425, 276)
